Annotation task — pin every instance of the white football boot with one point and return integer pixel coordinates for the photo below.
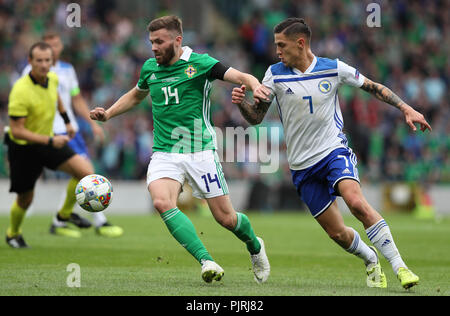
(260, 263)
(211, 271)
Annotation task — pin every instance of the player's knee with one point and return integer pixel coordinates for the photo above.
(357, 205)
(25, 200)
(90, 170)
(86, 170)
(227, 221)
(162, 204)
(24, 204)
(338, 236)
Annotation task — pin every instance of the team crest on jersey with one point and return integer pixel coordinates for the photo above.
(190, 71)
(325, 86)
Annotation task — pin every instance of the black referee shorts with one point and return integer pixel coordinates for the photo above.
(26, 163)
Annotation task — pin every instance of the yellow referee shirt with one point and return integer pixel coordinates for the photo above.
(35, 102)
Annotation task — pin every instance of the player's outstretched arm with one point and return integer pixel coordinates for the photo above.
(260, 92)
(253, 113)
(386, 95)
(124, 104)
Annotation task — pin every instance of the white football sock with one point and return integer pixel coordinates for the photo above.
(380, 235)
(58, 223)
(99, 219)
(360, 249)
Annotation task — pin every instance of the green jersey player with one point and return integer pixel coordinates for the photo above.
(179, 83)
(180, 101)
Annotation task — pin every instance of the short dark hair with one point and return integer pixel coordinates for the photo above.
(293, 26)
(41, 46)
(170, 23)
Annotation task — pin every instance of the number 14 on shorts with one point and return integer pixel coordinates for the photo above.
(208, 180)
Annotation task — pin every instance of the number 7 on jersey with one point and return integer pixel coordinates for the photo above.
(310, 103)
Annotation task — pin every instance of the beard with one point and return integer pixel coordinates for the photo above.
(167, 56)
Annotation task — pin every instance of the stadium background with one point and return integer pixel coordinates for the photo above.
(408, 53)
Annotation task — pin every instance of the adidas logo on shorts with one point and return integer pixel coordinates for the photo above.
(346, 171)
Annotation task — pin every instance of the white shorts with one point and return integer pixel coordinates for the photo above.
(202, 170)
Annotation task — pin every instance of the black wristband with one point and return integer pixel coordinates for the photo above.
(65, 118)
(50, 142)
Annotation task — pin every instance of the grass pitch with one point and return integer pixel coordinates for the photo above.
(148, 261)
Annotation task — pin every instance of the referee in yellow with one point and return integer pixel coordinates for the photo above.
(31, 144)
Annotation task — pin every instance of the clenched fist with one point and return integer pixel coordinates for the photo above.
(99, 114)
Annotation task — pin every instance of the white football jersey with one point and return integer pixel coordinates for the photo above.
(308, 106)
(67, 87)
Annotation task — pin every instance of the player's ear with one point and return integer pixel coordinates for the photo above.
(179, 39)
(301, 42)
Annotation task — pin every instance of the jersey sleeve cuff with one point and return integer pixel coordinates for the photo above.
(140, 89)
(361, 80)
(74, 91)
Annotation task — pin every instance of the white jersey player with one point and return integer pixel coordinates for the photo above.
(69, 92)
(304, 88)
(309, 107)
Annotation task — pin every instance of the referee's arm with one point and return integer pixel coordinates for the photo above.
(19, 131)
(62, 111)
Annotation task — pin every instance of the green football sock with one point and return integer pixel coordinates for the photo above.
(182, 229)
(16, 219)
(244, 232)
(71, 199)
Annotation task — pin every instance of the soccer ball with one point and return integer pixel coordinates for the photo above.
(94, 193)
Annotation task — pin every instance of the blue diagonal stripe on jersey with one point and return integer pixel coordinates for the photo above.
(344, 139)
(337, 119)
(305, 78)
(279, 110)
(353, 158)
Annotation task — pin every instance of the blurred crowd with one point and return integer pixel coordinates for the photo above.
(408, 53)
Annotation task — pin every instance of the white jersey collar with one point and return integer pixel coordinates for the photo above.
(309, 69)
(187, 51)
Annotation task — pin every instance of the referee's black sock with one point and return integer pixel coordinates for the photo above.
(61, 219)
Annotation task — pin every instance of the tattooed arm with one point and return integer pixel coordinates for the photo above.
(253, 113)
(386, 95)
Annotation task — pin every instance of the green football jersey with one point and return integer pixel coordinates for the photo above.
(181, 104)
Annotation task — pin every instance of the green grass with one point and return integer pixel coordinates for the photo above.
(148, 261)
